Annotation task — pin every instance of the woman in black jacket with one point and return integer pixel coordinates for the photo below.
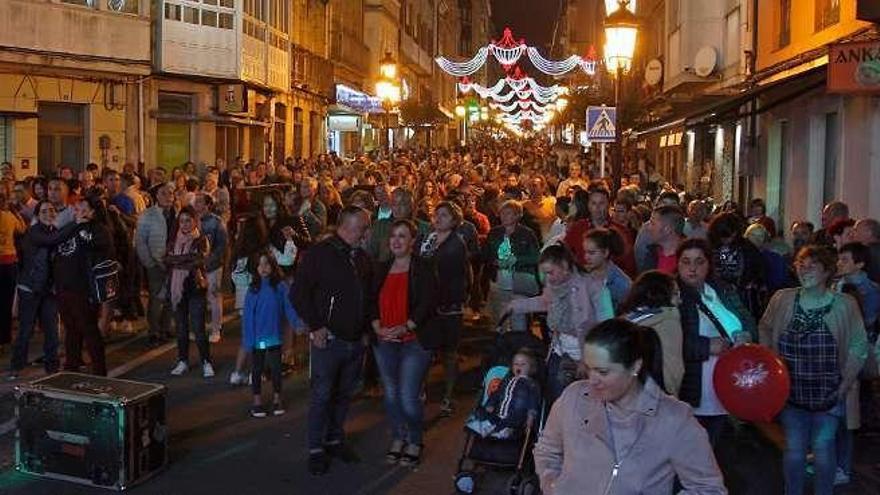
(445, 247)
(90, 244)
(401, 303)
(36, 296)
(712, 320)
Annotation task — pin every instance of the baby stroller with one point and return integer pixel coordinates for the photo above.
(513, 452)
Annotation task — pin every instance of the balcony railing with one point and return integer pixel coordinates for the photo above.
(311, 72)
(347, 50)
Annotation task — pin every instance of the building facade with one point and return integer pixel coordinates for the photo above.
(71, 73)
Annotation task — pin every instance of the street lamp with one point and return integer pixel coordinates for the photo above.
(388, 91)
(621, 30)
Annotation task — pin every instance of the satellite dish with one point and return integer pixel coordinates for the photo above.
(654, 72)
(704, 64)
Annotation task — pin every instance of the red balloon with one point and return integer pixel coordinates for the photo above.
(751, 382)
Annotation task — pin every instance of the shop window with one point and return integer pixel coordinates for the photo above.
(827, 13)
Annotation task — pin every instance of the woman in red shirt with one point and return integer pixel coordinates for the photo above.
(402, 303)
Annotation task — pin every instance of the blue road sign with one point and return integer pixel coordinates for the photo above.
(601, 124)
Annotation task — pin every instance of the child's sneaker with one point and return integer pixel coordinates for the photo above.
(258, 412)
(278, 408)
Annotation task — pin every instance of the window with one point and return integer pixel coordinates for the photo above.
(674, 14)
(731, 40)
(827, 13)
(173, 12)
(832, 150)
(226, 21)
(191, 15)
(5, 139)
(124, 6)
(209, 18)
(784, 23)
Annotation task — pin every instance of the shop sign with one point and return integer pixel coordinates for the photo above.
(357, 100)
(232, 98)
(854, 67)
(343, 123)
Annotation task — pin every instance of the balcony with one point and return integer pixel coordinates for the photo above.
(347, 50)
(311, 72)
(415, 56)
(82, 36)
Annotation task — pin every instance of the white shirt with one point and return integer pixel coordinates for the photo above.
(710, 405)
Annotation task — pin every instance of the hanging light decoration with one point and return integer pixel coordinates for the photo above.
(508, 51)
(461, 69)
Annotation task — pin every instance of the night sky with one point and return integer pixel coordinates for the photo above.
(529, 19)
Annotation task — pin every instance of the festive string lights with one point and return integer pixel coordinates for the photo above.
(507, 51)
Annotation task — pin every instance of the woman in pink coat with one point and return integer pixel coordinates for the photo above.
(618, 432)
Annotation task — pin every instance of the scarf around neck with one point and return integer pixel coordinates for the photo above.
(182, 244)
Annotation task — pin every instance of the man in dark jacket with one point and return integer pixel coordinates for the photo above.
(330, 294)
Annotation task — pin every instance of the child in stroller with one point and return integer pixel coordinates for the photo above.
(507, 405)
(500, 430)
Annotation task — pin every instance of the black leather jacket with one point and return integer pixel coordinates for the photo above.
(37, 247)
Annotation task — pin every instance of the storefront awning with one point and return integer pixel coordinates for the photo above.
(729, 108)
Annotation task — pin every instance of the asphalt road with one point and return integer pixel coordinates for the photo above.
(216, 448)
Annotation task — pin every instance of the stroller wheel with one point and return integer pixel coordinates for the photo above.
(465, 482)
(528, 486)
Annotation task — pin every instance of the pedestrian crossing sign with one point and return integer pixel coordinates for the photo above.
(601, 124)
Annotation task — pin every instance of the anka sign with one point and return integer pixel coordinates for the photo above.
(854, 67)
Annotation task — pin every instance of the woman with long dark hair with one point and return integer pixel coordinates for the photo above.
(737, 261)
(618, 431)
(446, 249)
(79, 306)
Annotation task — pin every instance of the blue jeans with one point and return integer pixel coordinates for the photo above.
(403, 368)
(190, 317)
(809, 431)
(335, 370)
(32, 308)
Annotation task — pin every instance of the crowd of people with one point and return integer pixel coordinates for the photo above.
(382, 259)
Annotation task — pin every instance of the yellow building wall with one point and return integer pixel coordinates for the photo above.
(803, 36)
(23, 93)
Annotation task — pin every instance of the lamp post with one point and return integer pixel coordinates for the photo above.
(388, 91)
(461, 113)
(621, 30)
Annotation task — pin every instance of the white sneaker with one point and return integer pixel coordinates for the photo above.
(207, 370)
(236, 378)
(180, 369)
(214, 337)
